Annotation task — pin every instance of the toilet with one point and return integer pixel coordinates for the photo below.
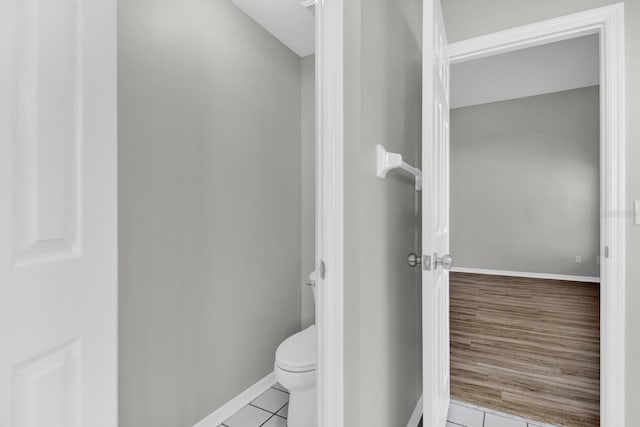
(295, 369)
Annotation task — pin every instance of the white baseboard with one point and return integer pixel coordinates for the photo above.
(417, 413)
(568, 277)
(240, 401)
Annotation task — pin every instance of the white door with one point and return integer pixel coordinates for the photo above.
(58, 278)
(435, 218)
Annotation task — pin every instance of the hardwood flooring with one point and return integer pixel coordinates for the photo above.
(529, 347)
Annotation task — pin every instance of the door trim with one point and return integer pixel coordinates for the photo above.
(532, 275)
(329, 211)
(608, 22)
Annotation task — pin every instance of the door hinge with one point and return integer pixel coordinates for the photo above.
(323, 270)
(606, 251)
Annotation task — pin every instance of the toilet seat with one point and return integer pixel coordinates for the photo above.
(298, 353)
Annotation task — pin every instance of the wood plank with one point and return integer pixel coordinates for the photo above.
(529, 347)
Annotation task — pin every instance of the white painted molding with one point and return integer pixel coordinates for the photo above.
(608, 22)
(536, 34)
(567, 277)
(240, 401)
(416, 414)
(329, 211)
(612, 228)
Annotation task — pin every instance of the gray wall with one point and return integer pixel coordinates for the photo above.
(382, 294)
(308, 186)
(471, 18)
(210, 206)
(525, 184)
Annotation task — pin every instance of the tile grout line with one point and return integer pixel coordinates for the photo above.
(276, 413)
(271, 413)
(267, 420)
(266, 410)
(280, 390)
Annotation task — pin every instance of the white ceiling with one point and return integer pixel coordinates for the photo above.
(287, 20)
(554, 67)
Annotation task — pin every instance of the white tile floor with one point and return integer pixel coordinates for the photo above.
(267, 410)
(466, 415)
(270, 410)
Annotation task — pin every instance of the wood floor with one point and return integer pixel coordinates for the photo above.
(529, 347)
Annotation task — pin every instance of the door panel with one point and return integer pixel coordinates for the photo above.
(46, 140)
(47, 389)
(58, 210)
(435, 217)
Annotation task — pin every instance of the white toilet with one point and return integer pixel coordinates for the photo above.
(295, 369)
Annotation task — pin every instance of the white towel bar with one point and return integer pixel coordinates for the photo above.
(386, 162)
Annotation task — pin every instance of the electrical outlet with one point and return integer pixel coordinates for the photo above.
(578, 259)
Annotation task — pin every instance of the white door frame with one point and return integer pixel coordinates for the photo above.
(608, 22)
(329, 211)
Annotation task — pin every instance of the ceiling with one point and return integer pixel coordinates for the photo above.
(286, 20)
(554, 67)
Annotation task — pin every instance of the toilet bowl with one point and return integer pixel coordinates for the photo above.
(295, 369)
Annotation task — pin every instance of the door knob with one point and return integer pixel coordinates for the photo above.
(445, 261)
(413, 259)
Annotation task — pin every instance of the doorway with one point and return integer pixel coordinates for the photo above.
(606, 23)
(525, 209)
